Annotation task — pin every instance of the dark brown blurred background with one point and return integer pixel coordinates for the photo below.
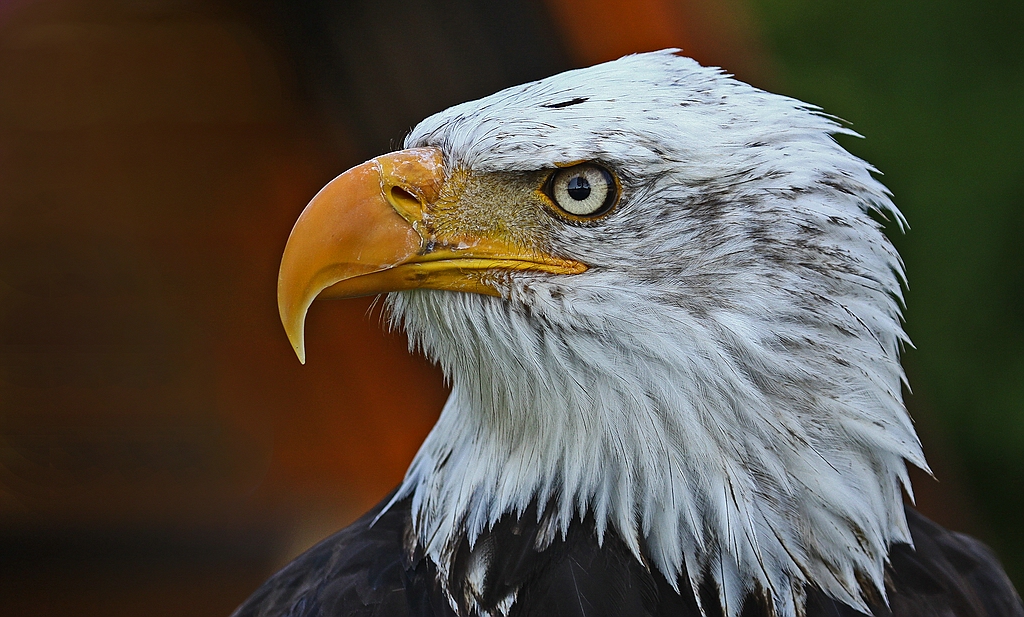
(162, 451)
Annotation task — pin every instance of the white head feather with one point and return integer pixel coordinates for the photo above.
(722, 387)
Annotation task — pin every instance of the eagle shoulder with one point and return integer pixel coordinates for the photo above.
(361, 571)
(367, 570)
(945, 574)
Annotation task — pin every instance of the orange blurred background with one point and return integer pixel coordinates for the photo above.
(161, 449)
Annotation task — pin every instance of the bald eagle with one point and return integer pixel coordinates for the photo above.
(671, 322)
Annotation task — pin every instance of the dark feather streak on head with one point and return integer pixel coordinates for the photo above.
(575, 101)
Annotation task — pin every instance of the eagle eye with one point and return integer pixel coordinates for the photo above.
(585, 190)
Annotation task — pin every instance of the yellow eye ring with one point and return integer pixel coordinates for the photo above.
(583, 191)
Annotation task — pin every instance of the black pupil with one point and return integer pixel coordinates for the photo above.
(579, 188)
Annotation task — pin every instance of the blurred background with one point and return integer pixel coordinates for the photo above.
(162, 451)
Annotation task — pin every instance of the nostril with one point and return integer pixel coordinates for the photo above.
(400, 194)
(405, 203)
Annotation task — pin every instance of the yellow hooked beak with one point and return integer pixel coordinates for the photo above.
(368, 232)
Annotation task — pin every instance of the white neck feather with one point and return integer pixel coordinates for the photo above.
(719, 445)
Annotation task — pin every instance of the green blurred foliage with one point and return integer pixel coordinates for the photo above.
(937, 89)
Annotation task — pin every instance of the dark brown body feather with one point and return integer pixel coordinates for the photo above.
(365, 570)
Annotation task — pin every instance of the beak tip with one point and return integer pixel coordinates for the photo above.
(299, 347)
(294, 329)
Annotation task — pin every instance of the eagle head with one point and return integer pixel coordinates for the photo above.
(664, 300)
